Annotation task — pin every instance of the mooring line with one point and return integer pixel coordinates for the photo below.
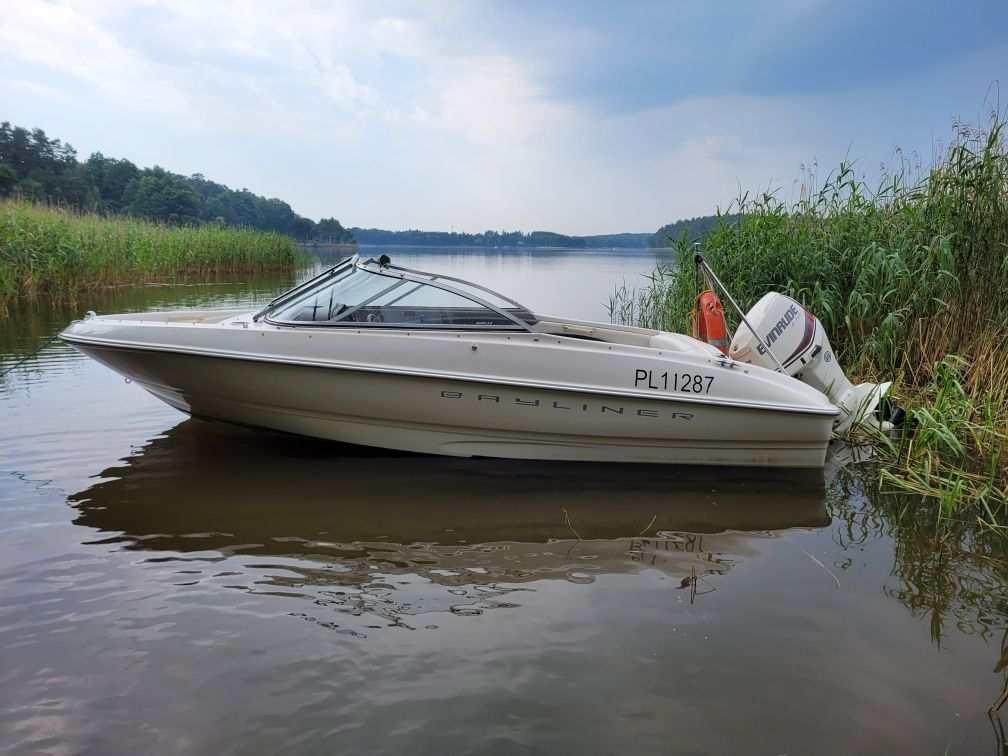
(27, 357)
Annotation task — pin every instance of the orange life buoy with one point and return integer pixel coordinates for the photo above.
(709, 322)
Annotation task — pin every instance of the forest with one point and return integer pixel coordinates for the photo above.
(687, 231)
(668, 235)
(487, 239)
(37, 168)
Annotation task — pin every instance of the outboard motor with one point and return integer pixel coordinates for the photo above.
(797, 339)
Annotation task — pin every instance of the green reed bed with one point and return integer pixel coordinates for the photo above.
(910, 280)
(48, 251)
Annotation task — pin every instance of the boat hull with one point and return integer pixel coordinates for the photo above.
(454, 416)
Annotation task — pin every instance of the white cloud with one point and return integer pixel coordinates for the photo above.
(39, 90)
(342, 89)
(189, 61)
(400, 36)
(429, 115)
(239, 67)
(492, 102)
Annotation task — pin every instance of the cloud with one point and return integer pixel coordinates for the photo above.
(39, 89)
(71, 43)
(223, 68)
(587, 117)
(490, 101)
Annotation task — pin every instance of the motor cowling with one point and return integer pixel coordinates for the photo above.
(797, 339)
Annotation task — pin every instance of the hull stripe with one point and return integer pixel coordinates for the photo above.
(806, 341)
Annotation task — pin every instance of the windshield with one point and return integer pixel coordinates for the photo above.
(364, 293)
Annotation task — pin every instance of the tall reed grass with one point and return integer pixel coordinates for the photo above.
(910, 280)
(58, 252)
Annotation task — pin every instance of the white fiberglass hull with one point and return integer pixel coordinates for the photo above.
(520, 395)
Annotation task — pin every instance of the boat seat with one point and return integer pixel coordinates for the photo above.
(677, 342)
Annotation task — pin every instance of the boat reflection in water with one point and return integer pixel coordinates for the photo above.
(322, 515)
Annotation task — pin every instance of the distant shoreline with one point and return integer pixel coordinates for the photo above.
(477, 248)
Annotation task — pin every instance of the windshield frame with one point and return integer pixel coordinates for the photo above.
(335, 270)
(397, 276)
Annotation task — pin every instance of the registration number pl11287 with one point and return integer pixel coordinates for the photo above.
(687, 383)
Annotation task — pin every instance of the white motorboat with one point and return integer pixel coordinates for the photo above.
(374, 354)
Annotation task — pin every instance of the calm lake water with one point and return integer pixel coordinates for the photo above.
(174, 586)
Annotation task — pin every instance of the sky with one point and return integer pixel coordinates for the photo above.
(577, 117)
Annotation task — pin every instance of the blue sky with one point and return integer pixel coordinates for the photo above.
(578, 117)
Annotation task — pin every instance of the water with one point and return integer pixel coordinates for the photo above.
(576, 283)
(171, 585)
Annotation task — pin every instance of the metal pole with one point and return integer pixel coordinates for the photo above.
(699, 260)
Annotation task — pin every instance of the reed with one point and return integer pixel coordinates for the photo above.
(909, 279)
(945, 570)
(50, 251)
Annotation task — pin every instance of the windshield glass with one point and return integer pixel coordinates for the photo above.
(326, 303)
(485, 294)
(361, 296)
(419, 304)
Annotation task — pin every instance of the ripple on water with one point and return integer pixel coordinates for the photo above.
(175, 586)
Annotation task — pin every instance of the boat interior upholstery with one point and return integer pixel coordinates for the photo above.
(626, 335)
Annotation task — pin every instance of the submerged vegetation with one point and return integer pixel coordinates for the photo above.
(58, 252)
(909, 280)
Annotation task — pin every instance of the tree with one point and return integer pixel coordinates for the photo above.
(331, 231)
(8, 178)
(30, 189)
(42, 169)
(26, 151)
(72, 188)
(109, 177)
(161, 196)
(689, 231)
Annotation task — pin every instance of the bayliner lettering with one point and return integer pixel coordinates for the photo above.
(778, 329)
(564, 406)
(649, 550)
(687, 383)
